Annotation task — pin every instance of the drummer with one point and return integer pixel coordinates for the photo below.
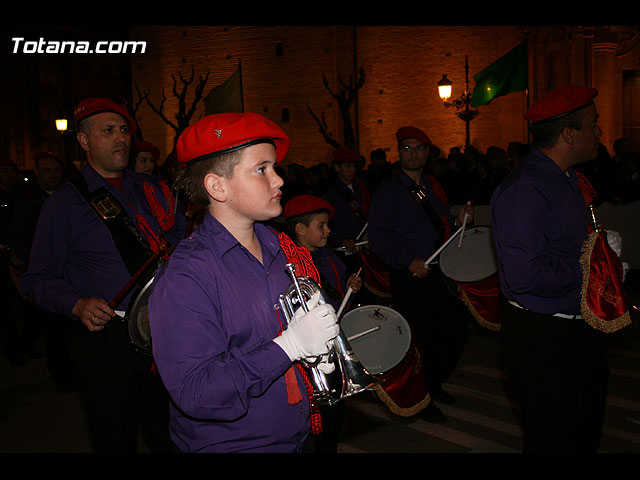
(554, 360)
(307, 223)
(350, 199)
(76, 268)
(408, 220)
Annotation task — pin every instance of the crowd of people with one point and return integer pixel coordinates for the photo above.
(217, 222)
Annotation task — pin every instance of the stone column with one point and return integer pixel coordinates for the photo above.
(607, 78)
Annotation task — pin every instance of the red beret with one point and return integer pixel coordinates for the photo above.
(223, 133)
(302, 204)
(345, 155)
(561, 101)
(92, 106)
(413, 132)
(42, 154)
(142, 146)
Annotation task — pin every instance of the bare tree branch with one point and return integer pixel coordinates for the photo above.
(323, 129)
(345, 99)
(183, 115)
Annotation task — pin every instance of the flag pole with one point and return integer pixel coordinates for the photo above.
(240, 75)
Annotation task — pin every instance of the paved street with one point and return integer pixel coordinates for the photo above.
(34, 417)
(483, 419)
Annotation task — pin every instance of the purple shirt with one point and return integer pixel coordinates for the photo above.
(538, 220)
(73, 255)
(399, 229)
(213, 322)
(345, 223)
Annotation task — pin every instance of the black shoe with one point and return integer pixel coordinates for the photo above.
(442, 396)
(432, 414)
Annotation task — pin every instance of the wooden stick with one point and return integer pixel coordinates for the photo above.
(464, 224)
(346, 297)
(136, 276)
(437, 252)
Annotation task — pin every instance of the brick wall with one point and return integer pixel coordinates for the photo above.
(402, 66)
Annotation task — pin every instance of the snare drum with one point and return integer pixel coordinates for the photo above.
(380, 336)
(382, 341)
(474, 260)
(137, 320)
(473, 266)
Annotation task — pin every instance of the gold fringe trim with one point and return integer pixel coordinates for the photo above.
(403, 412)
(592, 319)
(375, 291)
(479, 318)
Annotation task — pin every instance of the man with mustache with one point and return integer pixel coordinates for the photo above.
(93, 235)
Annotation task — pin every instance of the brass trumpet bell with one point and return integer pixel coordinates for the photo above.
(349, 376)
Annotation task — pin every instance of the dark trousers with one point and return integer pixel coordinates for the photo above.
(558, 374)
(120, 393)
(439, 321)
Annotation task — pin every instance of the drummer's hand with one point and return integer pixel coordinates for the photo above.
(94, 313)
(418, 268)
(355, 283)
(465, 209)
(349, 244)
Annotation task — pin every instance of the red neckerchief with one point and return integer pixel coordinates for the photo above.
(165, 218)
(303, 262)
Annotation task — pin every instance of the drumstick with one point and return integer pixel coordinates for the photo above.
(136, 276)
(362, 334)
(362, 231)
(346, 297)
(342, 249)
(437, 252)
(464, 224)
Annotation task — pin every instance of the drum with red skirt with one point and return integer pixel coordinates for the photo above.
(471, 262)
(382, 340)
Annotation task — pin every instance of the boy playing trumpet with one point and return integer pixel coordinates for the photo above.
(222, 350)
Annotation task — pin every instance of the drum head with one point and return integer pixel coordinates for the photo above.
(138, 320)
(379, 336)
(474, 260)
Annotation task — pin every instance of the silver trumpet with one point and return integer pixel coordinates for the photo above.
(350, 376)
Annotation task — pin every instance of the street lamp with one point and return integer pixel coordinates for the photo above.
(463, 101)
(61, 124)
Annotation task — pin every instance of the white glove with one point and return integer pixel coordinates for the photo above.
(307, 335)
(615, 241)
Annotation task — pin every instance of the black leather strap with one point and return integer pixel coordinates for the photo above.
(133, 248)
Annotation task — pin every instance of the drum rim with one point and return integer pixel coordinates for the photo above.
(409, 345)
(450, 246)
(134, 334)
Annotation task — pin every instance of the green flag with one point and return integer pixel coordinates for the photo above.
(226, 97)
(507, 74)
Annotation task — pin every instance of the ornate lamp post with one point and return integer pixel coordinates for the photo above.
(461, 102)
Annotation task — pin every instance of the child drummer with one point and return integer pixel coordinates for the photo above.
(223, 351)
(307, 223)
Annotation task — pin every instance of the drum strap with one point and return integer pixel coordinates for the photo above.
(420, 195)
(133, 248)
(357, 205)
